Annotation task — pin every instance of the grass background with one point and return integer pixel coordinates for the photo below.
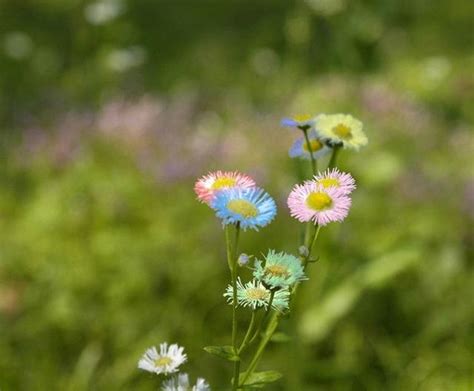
(109, 111)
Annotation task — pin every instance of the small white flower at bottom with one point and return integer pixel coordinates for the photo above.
(167, 361)
(180, 382)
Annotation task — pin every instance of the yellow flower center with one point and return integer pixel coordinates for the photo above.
(329, 182)
(224, 181)
(302, 117)
(318, 201)
(257, 293)
(162, 361)
(243, 208)
(343, 131)
(314, 145)
(277, 271)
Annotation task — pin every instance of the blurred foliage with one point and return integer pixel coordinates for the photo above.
(109, 111)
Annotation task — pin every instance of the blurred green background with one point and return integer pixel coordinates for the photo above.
(110, 109)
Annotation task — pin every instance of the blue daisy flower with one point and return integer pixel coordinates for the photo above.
(252, 208)
(300, 147)
(305, 121)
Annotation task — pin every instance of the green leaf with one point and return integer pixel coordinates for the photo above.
(259, 379)
(226, 352)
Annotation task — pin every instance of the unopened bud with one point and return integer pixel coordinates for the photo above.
(303, 251)
(243, 259)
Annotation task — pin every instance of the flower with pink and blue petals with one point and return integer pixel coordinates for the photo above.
(207, 186)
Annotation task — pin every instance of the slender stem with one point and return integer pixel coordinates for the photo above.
(231, 246)
(257, 331)
(249, 332)
(235, 383)
(234, 286)
(228, 244)
(311, 245)
(269, 308)
(335, 153)
(307, 234)
(314, 166)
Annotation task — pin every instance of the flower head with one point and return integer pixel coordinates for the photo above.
(303, 251)
(252, 208)
(316, 147)
(254, 294)
(166, 361)
(180, 382)
(301, 121)
(313, 202)
(279, 271)
(341, 129)
(335, 178)
(207, 186)
(243, 259)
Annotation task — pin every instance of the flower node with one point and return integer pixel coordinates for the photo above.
(318, 201)
(243, 208)
(257, 294)
(276, 270)
(343, 131)
(329, 182)
(162, 361)
(219, 183)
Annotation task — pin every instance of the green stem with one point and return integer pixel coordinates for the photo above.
(307, 234)
(231, 246)
(311, 245)
(249, 332)
(235, 383)
(335, 153)
(257, 331)
(314, 165)
(229, 250)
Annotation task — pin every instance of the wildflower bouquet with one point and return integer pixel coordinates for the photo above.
(241, 205)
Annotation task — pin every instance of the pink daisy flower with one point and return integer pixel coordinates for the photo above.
(335, 178)
(207, 186)
(313, 202)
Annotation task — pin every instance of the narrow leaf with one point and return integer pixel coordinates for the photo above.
(226, 352)
(258, 379)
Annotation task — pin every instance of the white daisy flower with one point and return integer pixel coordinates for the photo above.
(167, 361)
(180, 382)
(254, 294)
(341, 129)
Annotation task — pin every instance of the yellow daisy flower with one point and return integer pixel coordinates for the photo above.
(341, 129)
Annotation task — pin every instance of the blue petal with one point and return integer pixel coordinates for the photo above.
(288, 122)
